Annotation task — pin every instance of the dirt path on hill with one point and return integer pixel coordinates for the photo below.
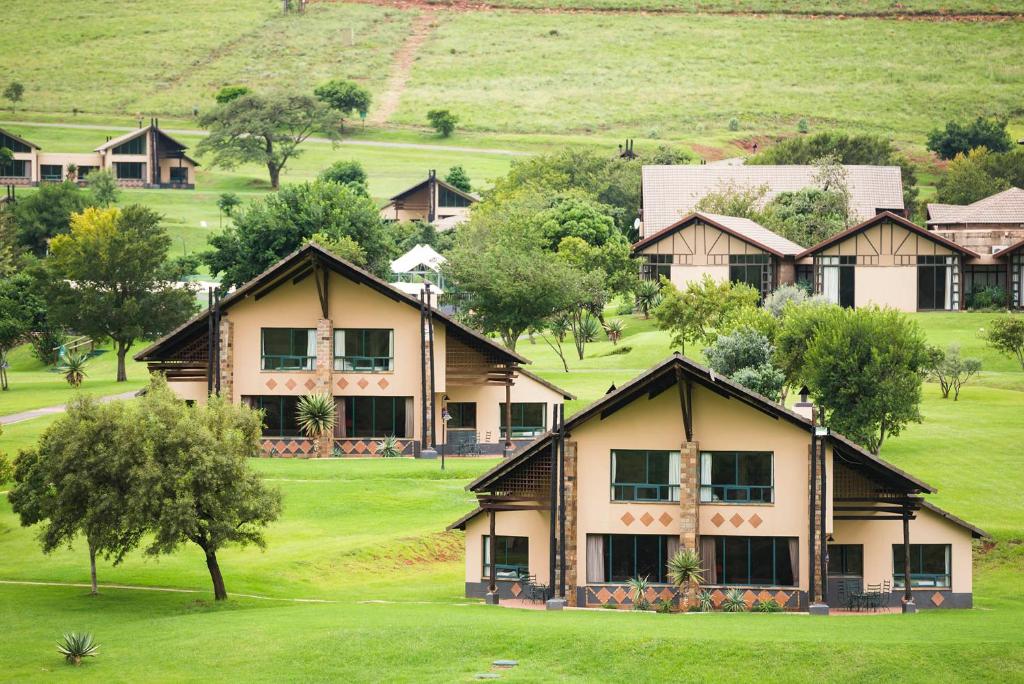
(498, 5)
(167, 590)
(422, 28)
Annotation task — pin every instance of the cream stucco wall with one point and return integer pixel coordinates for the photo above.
(167, 164)
(488, 398)
(878, 536)
(681, 276)
(191, 390)
(532, 524)
(893, 286)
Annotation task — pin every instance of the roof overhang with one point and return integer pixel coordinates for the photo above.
(20, 139)
(698, 216)
(879, 218)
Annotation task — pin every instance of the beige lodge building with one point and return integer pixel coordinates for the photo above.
(682, 458)
(314, 323)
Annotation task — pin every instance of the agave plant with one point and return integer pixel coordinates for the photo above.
(589, 328)
(389, 447)
(638, 592)
(684, 570)
(613, 329)
(77, 645)
(647, 296)
(704, 601)
(315, 415)
(769, 606)
(734, 601)
(73, 367)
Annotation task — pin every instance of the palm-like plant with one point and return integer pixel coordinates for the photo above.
(734, 601)
(705, 601)
(613, 329)
(315, 415)
(684, 570)
(73, 367)
(638, 592)
(647, 296)
(389, 447)
(77, 645)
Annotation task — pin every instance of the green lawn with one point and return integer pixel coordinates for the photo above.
(815, 7)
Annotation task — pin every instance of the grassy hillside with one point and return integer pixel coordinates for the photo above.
(910, 8)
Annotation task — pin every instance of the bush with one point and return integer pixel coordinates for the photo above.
(75, 646)
(638, 592)
(350, 173)
(950, 370)
(625, 308)
(46, 344)
(745, 356)
(957, 138)
(704, 601)
(443, 121)
(734, 124)
(769, 606)
(663, 606)
(231, 92)
(1006, 335)
(776, 301)
(734, 601)
(590, 328)
(802, 126)
(991, 297)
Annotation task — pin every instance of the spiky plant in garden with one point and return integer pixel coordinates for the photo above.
(315, 415)
(734, 601)
(647, 296)
(613, 329)
(73, 367)
(77, 645)
(704, 601)
(389, 447)
(638, 592)
(684, 570)
(769, 606)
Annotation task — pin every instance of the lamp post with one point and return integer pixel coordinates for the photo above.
(445, 417)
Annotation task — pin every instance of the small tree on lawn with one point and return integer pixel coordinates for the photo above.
(103, 187)
(344, 97)
(46, 213)
(315, 416)
(554, 334)
(110, 277)
(864, 367)
(20, 309)
(347, 172)
(13, 93)
(79, 480)
(196, 485)
(696, 313)
(684, 569)
(443, 121)
(1006, 335)
(647, 297)
(745, 356)
(951, 370)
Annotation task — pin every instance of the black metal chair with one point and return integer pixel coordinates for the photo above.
(847, 597)
(465, 442)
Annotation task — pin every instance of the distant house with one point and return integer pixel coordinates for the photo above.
(725, 247)
(672, 192)
(988, 225)
(421, 264)
(1011, 262)
(431, 200)
(143, 158)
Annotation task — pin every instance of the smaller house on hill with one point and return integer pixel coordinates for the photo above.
(420, 265)
(725, 247)
(986, 226)
(431, 200)
(144, 158)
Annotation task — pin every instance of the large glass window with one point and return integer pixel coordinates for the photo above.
(753, 269)
(846, 559)
(51, 172)
(288, 349)
(14, 168)
(129, 170)
(463, 415)
(179, 174)
(512, 555)
(978, 278)
(736, 477)
(373, 417)
(655, 266)
(837, 279)
(364, 350)
(934, 282)
(136, 145)
(447, 198)
(279, 415)
(84, 171)
(929, 565)
(630, 555)
(528, 419)
(645, 475)
(12, 144)
(750, 561)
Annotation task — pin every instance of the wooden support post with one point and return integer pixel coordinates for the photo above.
(908, 595)
(430, 346)
(553, 493)
(561, 499)
(492, 546)
(811, 595)
(210, 361)
(822, 542)
(423, 375)
(508, 416)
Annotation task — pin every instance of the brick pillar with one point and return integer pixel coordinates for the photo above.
(689, 494)
(571, 555)
(227, 359)
(324, 371)
(817, 526)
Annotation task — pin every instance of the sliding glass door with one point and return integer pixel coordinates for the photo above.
(836, 279)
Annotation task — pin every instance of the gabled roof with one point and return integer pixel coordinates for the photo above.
(550, 385)
(420, 254)
(1003, 207)
(887, 216)
(670, 192)
(744, 229)
(130, 135)
(294, 266)
(976, 532)
(1010, 250)
(664, 375)
(19, 139)
(448, 186)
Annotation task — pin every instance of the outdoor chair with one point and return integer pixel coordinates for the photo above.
(848, 598)
(885, 594)
(872, 597)
(465, 442)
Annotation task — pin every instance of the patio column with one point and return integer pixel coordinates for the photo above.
(508, 416)
(324, 373)
(908, 595)
(492, 551)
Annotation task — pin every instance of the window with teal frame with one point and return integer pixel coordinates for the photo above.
(364, 350)
(53, 173)
(736, 477)
(929, 566)
(14, 168)
(129, 170)
(635, 555)
(528, 419)
(512, 554)
(639, 475)
(752, 561)
(288, 349)
(375, 417)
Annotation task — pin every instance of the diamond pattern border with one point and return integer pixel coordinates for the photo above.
(717, 520)
(627, 518)
(665, 519)
(647, 519)
(736, 520)
(938, 599)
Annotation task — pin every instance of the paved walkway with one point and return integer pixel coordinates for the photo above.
(343, 141)
(59, 408)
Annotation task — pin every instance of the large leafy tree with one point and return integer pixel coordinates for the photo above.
(79, 479)
(270, 228)
(959, 138)
(21, 309)
(263, 129)
(45, 214)
(344, 97)
(196, 484)
(807, 216)
(702, 309)
(865, 367)
(745, 356)
(110, 278)
(968, 179)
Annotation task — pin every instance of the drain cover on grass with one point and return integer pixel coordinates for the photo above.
(505, 663)
(487, 675)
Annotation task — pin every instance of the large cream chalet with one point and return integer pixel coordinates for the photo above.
(314, 323)
(683, 458)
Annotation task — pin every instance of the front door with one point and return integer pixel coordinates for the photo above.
(845, 572)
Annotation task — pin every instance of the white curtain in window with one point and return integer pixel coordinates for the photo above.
(339, 342)
(311, 349)
(673, 474)
(794, 559)
(614, 463)
(948, 305)
(830, 283)
(705, 477)
(595, 558)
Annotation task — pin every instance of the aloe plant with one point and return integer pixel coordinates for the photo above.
(684, 570)
(315, 415)
(638, 592)
(73, 367)
(734, 601)
(647, 296)
(389, 447)
(704, 601)
(77, 645)
(769, 606)
(613, 329)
